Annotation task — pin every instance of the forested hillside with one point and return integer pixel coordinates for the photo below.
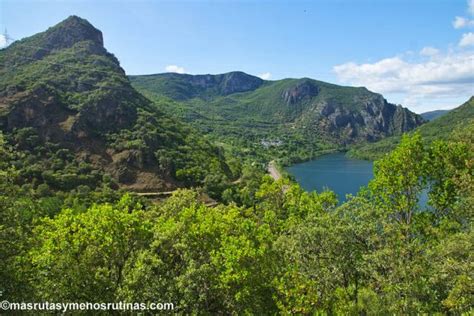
(68, 107)
(292, 119)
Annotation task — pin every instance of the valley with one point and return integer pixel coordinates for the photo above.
(224, 194)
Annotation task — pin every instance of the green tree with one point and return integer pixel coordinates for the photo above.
(84, 256)
(206, 260)
(399, 180)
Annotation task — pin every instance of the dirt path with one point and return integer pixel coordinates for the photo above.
(273, 170)
(153, 194)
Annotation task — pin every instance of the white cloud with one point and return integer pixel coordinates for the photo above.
(443, 80)
(441, 77)
(175, 68)
(467, 39)
(3, 41)
(460, 22)
(429, 51)
(265, 76)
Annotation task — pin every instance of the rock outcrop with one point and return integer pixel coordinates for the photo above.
(184, 87)
(303, 90)
(375, 119)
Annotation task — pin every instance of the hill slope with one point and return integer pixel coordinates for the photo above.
(442, 127)
(314, 114)
(67, 104)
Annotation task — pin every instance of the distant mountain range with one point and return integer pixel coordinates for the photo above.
(346, 114)
(431, 115)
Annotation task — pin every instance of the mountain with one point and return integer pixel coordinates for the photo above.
(68, 105)
(441, 128)
(184, 87)
(431, 115)
(455, 119)
(313, 114)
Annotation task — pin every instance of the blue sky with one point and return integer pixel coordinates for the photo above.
(418, 53)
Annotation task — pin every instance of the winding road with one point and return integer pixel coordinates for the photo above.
(273, 170)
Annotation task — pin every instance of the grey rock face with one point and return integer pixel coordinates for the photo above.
(224, 84)
(377, 118)
(66, 34)
(305, 89)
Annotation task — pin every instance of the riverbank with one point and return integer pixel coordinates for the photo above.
(314, 155)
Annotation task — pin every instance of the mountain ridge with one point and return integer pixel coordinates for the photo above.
(201, 85)
(294, 110)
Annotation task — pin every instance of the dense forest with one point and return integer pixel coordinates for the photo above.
(273, 248)
(81, 148)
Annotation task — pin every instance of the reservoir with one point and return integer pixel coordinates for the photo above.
(334, 172)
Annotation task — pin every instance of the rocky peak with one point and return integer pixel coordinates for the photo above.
(227, 83)
(238, 81)
(70, 31)
(63, 35)
(303, 89)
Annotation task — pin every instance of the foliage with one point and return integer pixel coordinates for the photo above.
(68, 235)
(75, 256)
(283, 250)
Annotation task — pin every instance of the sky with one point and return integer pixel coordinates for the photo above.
(418, 53)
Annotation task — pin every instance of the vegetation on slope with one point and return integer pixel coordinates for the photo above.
(291, 119)
(66, 104)
(284, 250)
(442, 127)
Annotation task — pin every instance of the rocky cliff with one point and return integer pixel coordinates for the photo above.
(373, 119)
(184, 87)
